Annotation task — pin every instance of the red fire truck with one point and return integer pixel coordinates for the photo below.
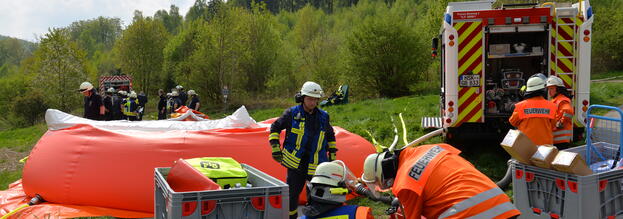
(487, 54)
(119, 82)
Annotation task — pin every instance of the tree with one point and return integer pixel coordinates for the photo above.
(59, 67)
(139, 52)
(172, 20)
(381, 55)
(259, 44)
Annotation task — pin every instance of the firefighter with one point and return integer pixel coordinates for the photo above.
(194, 101)
(118, 105)
(328, 189)
(177, 102)
(162, 105)
(142, 101)
(182, 94)
(131, 106)
(435, 182)
(108, 105)
(93, 106)
(535, 116)
(309, 140)
(563, 130)
(169, 103)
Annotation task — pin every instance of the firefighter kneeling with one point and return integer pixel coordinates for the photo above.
(329, 186)
(435, 182)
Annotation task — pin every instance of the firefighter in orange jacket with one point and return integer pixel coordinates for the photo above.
(435, 182)
(535, 116)
(563, 131)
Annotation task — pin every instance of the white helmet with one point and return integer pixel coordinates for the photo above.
(328, 173)
(373, 173)
(174, 93)
(535, 83)
(312, 89)
(122, 92)
(192, 92)
(85, 86)
(554, 81)
(110, 90)
(179, 87)
(132, 94)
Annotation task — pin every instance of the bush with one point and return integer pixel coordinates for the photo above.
(29, 108)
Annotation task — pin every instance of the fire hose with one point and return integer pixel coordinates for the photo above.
(35, 200)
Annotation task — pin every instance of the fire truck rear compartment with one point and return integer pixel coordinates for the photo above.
(511, 58)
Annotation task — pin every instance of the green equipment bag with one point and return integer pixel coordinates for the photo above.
(224, 171)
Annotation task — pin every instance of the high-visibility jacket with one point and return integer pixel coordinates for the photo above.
(564, 116)
(299, 136)
(345, 212)
(435, 182)
(535, 117)
(130, 106)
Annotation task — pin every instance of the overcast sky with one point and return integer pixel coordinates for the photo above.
(27, 19)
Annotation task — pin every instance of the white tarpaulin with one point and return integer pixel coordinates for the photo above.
(57, 119)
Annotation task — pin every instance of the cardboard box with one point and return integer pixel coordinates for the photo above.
(570, 162)
(544, 156)
(499, 49)
(519, 146)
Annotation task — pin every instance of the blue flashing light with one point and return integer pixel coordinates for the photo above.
(589, 12)
(448, 19)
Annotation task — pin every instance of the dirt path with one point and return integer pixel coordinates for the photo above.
(9, 159)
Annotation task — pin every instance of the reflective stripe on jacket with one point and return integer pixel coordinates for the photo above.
(129, 107)
(435, 182)
(299, 137)
(535, 117)
(564, 115)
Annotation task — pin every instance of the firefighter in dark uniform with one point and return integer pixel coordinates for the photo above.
(182, 95)
(93, 106)
(162, 105)
(108, 104)
(194, 100)
(309, 140)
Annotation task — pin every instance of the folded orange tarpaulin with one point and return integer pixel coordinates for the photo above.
(14, 197)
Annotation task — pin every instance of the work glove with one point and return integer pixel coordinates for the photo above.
(277, 155)
(331, 156)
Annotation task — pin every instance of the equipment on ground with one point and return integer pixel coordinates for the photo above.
(340, 96)
(487, 54)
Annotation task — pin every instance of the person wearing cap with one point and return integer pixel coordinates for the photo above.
(182, 94)
(162, 105)
(309, 140)
(93, 107)
(563, 130)
(434, 181)
(194, 100)
(130, 107)
(535, 116)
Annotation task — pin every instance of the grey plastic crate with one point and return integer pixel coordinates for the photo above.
(546, 193)
(268, 198)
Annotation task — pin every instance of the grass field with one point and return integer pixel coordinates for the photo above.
(372, 115)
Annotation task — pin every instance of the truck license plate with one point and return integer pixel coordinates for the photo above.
(469, 81)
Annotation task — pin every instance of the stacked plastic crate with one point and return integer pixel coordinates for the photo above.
(545, 193)
(266, 199)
